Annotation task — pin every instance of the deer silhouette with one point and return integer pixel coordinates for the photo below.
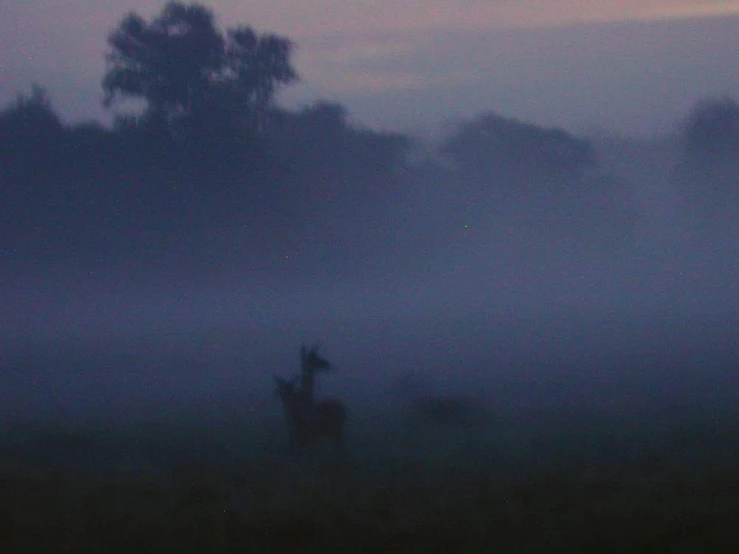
(310, 422)
(311, 362)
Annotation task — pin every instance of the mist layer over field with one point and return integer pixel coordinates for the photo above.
(525, 326)
(440, 279)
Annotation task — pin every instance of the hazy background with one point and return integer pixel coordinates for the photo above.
(137, 291)
(630, 67)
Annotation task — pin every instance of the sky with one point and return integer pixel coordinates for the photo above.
(630, 67)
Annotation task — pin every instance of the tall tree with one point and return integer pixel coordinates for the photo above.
(184, 68)
(256, 66)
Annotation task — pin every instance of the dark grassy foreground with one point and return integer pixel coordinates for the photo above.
(664, 481)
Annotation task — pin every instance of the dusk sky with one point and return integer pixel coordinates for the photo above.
(634, 67)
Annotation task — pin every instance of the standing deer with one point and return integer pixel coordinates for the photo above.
(310, 363)
(309, 421)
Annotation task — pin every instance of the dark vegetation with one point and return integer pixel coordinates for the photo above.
(207, 173)
(208, 149)
(708, 172)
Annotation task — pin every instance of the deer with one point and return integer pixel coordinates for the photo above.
(311, 422)
(308, 421)
(311, 362)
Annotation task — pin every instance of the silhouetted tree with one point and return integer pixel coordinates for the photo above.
(31, 136)
(257, 66)
(707, 176)
(712, 131)
(340, 176)
(491, 149)
(190, 75)
(32, 169)
(320, 139)
(29, 123)
(32, 113)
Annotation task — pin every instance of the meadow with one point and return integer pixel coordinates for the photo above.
(565, 479)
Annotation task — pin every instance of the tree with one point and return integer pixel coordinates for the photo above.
(30, 133)
(493, 148)
(319, 138)
(712, 131)
(708, 172)
(31, 115)
(187, 71)
(256, 66)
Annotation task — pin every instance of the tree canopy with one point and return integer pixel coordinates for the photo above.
(712, 130)
(491, 148)
(31, 115)
(708, 172)
(182, 66)
(29, 127)
(321, 138)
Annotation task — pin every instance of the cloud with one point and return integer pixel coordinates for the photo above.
(392, 62)
(633, 77)
(320, 17)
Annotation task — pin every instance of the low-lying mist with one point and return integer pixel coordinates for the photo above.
(533, 333)
(508, 257)
(616, 305)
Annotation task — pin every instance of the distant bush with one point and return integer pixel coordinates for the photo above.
(707, 175)
(491, 148)
(711, 131)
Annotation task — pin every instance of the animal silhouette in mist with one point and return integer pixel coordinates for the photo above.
(309, 421)
(437, 409)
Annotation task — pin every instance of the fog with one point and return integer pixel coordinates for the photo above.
(628, 305)
(228, 324)
(169, 265)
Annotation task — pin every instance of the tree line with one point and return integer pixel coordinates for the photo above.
(205, 132)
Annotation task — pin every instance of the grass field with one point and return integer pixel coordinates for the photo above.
(653, 481)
